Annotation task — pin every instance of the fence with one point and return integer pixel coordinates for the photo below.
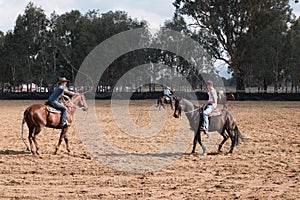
(154, 95)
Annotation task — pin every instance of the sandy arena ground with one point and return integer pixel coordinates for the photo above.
(265, 166)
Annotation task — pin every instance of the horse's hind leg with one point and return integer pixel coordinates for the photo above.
(225, 138)
(30, 139)
(232, 137)
(37, 130)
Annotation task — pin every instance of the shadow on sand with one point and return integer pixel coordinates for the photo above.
(13, 152)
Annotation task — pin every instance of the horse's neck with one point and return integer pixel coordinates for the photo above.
(193, 114)
(73, 105)
(188, 106)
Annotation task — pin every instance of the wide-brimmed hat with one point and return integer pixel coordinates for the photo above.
(62, 79)
(209, 82)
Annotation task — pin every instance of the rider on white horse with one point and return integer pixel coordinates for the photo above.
(210, 105)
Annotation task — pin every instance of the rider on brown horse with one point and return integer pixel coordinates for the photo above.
(56, 95)
(168, 93)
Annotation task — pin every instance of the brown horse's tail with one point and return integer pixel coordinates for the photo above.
(238, 135)
(22, 134)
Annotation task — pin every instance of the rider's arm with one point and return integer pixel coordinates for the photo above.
(69, 92)
(212, 101)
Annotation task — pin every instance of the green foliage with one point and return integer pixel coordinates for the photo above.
(247, 35)
(40, 49)
(257, 39)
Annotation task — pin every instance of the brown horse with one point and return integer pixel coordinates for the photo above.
(165, 100)
(38, 116)
(224, 123)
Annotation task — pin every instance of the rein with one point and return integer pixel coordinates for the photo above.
(191, 111)
(69, 101)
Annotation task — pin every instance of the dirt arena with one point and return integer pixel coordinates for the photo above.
(265, 166)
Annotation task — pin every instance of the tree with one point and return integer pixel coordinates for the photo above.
(198, 63)
(28, 36)
(228, 28)
(268, 56)
(292, 51)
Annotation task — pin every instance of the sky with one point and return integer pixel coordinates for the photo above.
(155, 12)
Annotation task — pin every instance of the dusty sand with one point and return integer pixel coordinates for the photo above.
(266, 166)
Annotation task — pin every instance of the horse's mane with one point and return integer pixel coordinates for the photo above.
(189, 103)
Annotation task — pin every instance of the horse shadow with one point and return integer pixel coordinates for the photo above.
(13, 152)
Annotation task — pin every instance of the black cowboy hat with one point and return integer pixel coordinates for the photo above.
(62, 79)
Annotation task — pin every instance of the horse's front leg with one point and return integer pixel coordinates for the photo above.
(62, 135)
(67, 143)
(195, 142)
(204, 153)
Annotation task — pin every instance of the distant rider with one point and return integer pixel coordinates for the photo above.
(58, 92)
(168, 93)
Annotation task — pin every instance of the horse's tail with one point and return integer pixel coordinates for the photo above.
(238, 135)
(22, 133)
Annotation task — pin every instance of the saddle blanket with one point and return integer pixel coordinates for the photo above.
(53, 110)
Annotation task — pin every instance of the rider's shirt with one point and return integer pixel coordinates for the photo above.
(57, 93)
(167, 92)
(212, 94)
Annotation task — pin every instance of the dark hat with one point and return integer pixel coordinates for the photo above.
(62, 79)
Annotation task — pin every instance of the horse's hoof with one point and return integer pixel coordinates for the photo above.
(202, 155)
(70, 152)
(192, 154)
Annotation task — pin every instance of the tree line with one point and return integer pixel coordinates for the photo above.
(258, 41)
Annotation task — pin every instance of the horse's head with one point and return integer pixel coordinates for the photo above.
(178, 108)
(80, 101)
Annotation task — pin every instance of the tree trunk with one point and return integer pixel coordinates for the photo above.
(240, 80)
(265, 86)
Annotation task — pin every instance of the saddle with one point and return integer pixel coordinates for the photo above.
(51, 109)
(215, 112)
(167, 99)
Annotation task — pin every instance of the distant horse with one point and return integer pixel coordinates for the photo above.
(222, 98)
(38, 116)
(224, 123)
(165, 100)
